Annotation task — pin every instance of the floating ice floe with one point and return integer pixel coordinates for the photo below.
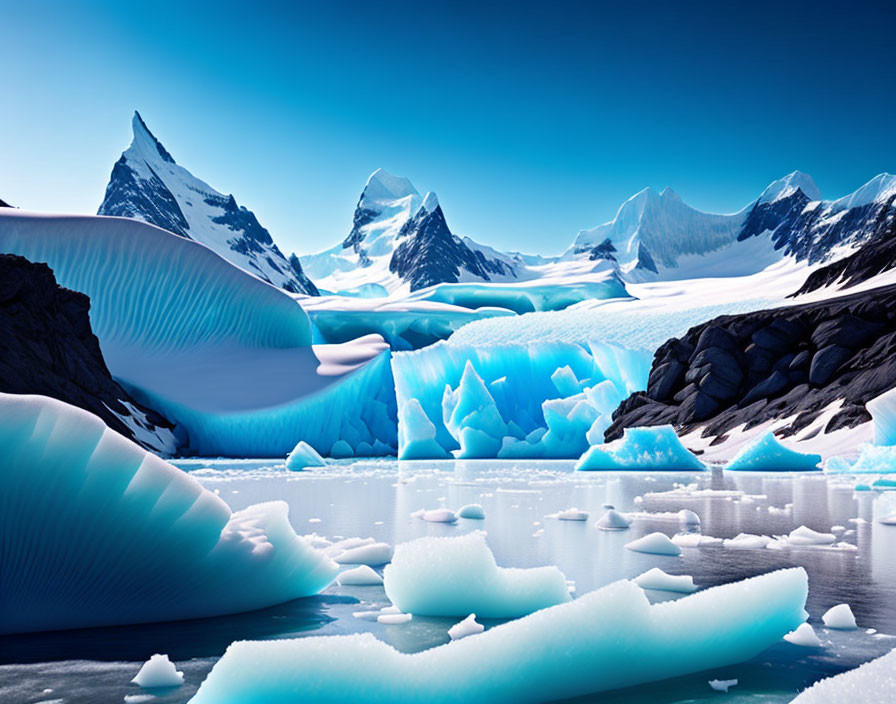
(804, 636)
(722, 685)
(302, 456)
(457, 576)
(436, 515)
(747, 541)
(360, 576)
(695, 540)
(806, 536)
(158, 671)
(394, 619)
(840, 618)
(766, 454)
(651, 449)
(657, 579)
(151, 543)
(613, 520)
(874, 681)
(546, 656)
(570, 514)
(654, 544)
(467, 627)
(472, 511)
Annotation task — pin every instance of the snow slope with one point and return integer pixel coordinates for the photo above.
(148, 185)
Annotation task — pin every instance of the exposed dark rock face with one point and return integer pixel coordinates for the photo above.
(47, 347)
(129, 196)
(429, 254)
(786, 363)
(4, 204)
(605, 250)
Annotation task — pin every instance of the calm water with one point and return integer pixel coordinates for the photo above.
(376, 498)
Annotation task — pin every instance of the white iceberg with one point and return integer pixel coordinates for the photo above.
(806, 536)
(804, 636)
(874, 681)
(438, 515)
(604, 640)
(840, 618)
(457, 576)
(467, 627)
(150, 544)
(645, 449)
(613, 520)
(696, 540)
(722, 685)
(766, 454)
(302, 456)
(394, 619)
(747, 541)
(570, 514)
(657, 579)
(472, 511)
(158, 671)
(360, 576)
(654, 544)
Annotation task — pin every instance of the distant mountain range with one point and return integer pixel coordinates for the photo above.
(400, 240)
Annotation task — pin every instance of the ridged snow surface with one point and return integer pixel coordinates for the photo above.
(100, 532)
(874, 681)
(607, 639)
(225, 355)
(529, 400)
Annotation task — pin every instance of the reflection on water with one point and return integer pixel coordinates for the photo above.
(376, 498)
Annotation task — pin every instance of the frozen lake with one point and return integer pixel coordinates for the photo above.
(377, 498)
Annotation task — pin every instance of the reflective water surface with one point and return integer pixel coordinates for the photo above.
(377, 498)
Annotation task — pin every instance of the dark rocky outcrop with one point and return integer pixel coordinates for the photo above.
(47, 347)
(789, 362)
(4, 204)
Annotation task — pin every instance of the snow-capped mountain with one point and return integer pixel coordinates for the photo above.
(400, 240)
(147, 184)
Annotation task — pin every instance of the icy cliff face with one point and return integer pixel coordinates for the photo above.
(401, 240)
(148, 185)
(123, 537)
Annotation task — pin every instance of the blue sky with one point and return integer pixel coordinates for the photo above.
(531, 121)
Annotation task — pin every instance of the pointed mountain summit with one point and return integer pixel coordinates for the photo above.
(148, 185)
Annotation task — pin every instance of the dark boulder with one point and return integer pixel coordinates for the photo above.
(826, 362)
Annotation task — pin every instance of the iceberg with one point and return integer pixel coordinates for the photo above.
(657, 579)
(360, 576)
(467, 627)
(642, 449)
(722, 685)
(508, 401)
(370, 554)
(471, 511)
(158, 671)
(840, 618)
(457, 576)
(688, 518)
(803, 636)
(766, 454)
(607, 639)
(874, 681)
(654, 544)
(302, 456)
(872, 459)
(883, 414)
(150, 544)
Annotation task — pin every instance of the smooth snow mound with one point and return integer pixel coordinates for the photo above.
(457, 576)
(549, 655)
(654, 544)
(874, 681)
(646, 449)
(473, 511)
(150, 544)
(657, 579)
(361, 576)
(840, 618)
(804, 636)
(158, 671)
(467, 627)
(767, 454)
(303, 455)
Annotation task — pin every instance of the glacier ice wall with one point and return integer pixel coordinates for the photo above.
(528, 400)
(96, 531)
(607, 639)
(883, 413)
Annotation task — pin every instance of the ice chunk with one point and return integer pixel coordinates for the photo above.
(722, 685)
(695, 540)
(804, 635)
(457, 576)
(158, 671)
(372, 555)
(570, 514)
(766, 454)
(151, 543)
(874, 681)
(564, 379)
(474, 511)
(747, 541)
(547, 656)
(439, 515)
(417, 434)
(360, 576)
(654, 544)
(303, 455)
(884, 508)
(688, 518)
(806, 536)
(883, 413)
(471, 416)
(467, 627)
(657, 579)
(650, 449)
(840, 618)
(394, 619)
(613, 520)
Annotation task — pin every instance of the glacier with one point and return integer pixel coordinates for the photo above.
(457, 576)
(508, 401)
(767, 454)
(225, 355)
(607, 639)
(122, 537)
(646, 449)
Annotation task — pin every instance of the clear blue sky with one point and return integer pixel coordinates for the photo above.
(531, 121)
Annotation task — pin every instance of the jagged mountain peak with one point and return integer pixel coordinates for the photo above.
(383, 186)
(430, 202)
(788, 185)
(146, 141)
(878, 190)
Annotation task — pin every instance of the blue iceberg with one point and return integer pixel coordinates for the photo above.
(766, 454)
(645, 449)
